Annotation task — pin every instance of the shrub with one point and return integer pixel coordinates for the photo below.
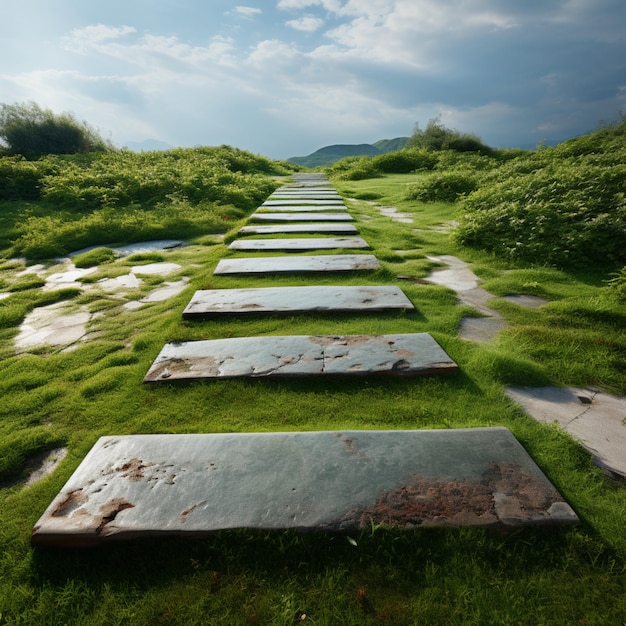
(404, 161)
(31, 131)
(443, 187)
(19, 179)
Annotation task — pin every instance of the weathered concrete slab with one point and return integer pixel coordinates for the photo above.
(301, 355)
(298, 264)
(305, 194)
(310, 208)
(284, 202)
(344, 216)
(337, 229)
(292, 300)
(311, 243)
(336, 481)
(595, 418)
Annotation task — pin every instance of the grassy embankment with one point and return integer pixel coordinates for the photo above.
(435, 576)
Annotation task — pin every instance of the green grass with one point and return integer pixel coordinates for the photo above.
(532, 576)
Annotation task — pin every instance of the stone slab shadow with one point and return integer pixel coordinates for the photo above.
(292, 300)
(298, 264)
(415, 354)
(138, 486)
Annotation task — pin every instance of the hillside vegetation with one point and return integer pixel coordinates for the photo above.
(563, 206)
(57, 204)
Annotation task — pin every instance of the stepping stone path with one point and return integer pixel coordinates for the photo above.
(140, 485)
(206, 303)
(277, 229)
(341, 481)
(301, 216)
(317, 243)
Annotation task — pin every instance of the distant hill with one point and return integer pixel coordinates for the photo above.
(330, 154)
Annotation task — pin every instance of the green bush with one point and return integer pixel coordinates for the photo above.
(443, 187)
(32, 132)
(19, 179)
(404, 161)
(354, 168)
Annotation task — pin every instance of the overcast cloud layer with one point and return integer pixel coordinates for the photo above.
(283, 78)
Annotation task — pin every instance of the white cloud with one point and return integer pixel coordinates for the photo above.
(81, 39)
(248, 11)
(308, 23)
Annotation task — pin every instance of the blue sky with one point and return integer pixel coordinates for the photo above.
(285, 77)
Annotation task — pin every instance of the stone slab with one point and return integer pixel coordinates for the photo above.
(305, 208)
(283, 202)
(208, 302)
(311, 243)
(302, 217)
(301, 355)
(298, 264)
(594, 418)
(135, 486)
(337, 229)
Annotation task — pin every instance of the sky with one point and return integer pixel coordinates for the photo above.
(283, 78)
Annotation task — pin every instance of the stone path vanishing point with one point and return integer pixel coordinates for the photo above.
(141, 485)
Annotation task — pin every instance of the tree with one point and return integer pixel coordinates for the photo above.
(30, 131)
(436, 136)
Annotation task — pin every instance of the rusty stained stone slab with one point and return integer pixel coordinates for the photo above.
(272, 203)
(304, 208)
(301, 355)
(335, 481)
(343, 216)
(336, 229)
(291, 300)
(311, 243)
(298, 264)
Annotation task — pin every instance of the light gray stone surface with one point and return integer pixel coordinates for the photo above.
(343, 216)
(310, 243)
(596, 419)
(301, 355)
(298, 264)
(304, 208)
(337, 229)
(336, 481)
(284, 202)
(296, 300)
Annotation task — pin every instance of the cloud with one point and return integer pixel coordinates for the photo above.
(81, 39)
(308, 23)
(248, 11)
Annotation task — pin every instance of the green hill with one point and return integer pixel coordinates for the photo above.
(330, 154)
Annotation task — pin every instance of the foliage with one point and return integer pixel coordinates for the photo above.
(19, 179)
(443, 186)
(115, 197)
(404, 161)
(437, 137)
(32, 132)
(564, 206)
(618, 284)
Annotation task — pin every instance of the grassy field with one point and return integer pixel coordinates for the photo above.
(52, 398)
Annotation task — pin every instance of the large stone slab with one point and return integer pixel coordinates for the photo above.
(301, 216)
(337, 229)
(311, 243)
(292, 300)
(304, 208)
(298, 264)
(595, 418)
(301, 355)
(336, 481)
(291, 201)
